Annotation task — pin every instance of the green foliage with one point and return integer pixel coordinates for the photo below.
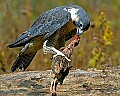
(108, 34)
(101, 40)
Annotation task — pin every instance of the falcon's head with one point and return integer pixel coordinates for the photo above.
(79, 17)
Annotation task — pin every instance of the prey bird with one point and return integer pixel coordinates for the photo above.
(61, 66)
(49, 32)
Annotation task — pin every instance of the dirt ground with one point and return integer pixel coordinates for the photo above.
(91, 82)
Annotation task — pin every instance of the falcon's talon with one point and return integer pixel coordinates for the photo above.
(48, 49)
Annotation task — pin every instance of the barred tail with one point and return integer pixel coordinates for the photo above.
(22, 61)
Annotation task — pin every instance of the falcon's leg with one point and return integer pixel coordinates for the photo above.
(47, 49)
(59, 53)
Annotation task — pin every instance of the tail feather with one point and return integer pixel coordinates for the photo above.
(22, 61)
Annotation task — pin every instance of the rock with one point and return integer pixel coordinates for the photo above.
(77, 83)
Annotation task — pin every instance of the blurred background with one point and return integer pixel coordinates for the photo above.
(99, 46)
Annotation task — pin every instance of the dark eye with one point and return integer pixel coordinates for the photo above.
(81, 25)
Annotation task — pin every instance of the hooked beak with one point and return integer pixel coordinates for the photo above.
(79, 31)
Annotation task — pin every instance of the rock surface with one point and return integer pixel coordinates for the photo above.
(91, 82)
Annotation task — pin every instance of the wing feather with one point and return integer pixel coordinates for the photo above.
(46, 25)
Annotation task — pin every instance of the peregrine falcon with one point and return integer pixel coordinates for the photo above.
(49, 32)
